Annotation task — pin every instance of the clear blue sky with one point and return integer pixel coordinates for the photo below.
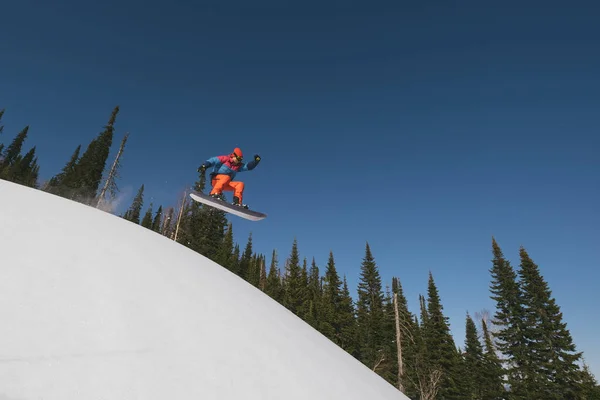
(423, 130)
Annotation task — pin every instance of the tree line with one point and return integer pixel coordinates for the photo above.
(523, 351)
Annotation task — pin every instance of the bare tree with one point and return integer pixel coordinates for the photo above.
(263, 275)
(167, 223)
(111, 183)
(398, 344)
(381, 359)
(429, 385)
(182, 207)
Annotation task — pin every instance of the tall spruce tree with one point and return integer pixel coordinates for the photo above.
(225, 253)
(63, 184)
(590, 390)
(313, 298)
(110, 185)
(13, 151)
(441, 349)
(331, 304)
(167, 223)
(23, 170)
(304, 301)
(474, 379)
(273, 286)
(262, 280)
(254, 270)
(428, 373)
(134, 212)
(156, 222)
(90, 167)
(202, 228)
(293, 285)
(212, 232)
(347, 326)
(388, 367)
(553, 356)
(246, 259)
(147, 220)
(1, 144)
(493, 388)
(235, 258)
(509, 317)
(370, 313)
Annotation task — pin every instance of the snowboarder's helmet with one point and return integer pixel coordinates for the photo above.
(237, 152)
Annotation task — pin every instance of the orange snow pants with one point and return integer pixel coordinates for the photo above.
(223, 182)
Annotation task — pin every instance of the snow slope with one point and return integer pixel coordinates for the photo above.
(96, 307)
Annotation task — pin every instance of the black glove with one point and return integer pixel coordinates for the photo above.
(202, 168)
(252, 164)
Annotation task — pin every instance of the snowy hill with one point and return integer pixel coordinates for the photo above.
(96, 307)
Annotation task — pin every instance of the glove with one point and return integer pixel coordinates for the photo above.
(202, 168)
(256, 158)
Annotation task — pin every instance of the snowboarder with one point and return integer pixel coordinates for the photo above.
(224, 170)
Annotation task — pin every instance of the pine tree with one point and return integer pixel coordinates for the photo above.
(428, 373)
(13, 151)
(313, 300)
(134, 212)
(254, 270)
(235, 258)
(553, 356)
(202, 228)
(28, 169)
(589, 385)
(89, 169)
(225, 253)
(244, 271)
(212, 233)
(110, 184)
(441, 350)
(304, 312)
(147, 220)
(509, 318)
(262, 280)
(156, 223)
(474, 378)
(167, 223)
(329, 324)
(370, 313)
(273, 286)
(347, 326)
(293, 288)
(1, 145)
(64, 183)
(23, 170)
(388, 367)
(493, 388)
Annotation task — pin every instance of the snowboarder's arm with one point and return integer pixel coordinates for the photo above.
(212, 161)
(251, 165)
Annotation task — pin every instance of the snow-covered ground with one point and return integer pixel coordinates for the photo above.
(96, 307)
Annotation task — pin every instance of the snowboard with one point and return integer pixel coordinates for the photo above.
(227, 207)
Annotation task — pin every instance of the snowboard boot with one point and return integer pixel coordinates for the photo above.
(218, 196)
(236, 202)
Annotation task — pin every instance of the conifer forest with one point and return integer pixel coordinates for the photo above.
(522, 350)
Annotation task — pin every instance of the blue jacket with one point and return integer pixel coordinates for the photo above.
(223, 165)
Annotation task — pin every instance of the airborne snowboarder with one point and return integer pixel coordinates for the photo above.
(223, 174)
